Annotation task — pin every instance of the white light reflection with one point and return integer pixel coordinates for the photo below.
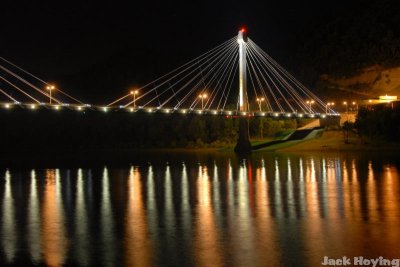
(289, 187)
(169, 218)
(231, 197)
(263, 171)
(186, 212)
(242, 188)
(322, 188)
(313, 175)
(278, 196)
(216, 192)
(302, 196)
(301, 174)
(81, 223)
(8, 231)
(33, 226)
(107, 222)
(151, 204)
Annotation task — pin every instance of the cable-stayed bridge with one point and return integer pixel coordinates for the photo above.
(236, 78)
(207, 84)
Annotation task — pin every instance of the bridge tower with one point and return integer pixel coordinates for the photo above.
(243, 142)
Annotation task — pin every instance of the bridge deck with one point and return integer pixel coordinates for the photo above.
(166, 110)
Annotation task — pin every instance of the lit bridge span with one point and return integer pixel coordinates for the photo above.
(235, 79)
(165, 110)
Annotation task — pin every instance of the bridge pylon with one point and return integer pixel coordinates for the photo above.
(243, 142)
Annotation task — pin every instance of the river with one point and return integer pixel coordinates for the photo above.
(202, 209)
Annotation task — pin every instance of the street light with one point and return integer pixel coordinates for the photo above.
(50, 88)
(354, 103)
(259, 100)
(345, 103)
(202, 97)
(328, 105)
(134, 93)
(310, 102)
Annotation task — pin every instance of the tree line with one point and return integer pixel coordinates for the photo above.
(379, 123)
(73, 130)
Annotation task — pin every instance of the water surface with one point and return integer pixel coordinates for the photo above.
(208, 209)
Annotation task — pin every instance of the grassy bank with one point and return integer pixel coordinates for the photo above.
(335, 141)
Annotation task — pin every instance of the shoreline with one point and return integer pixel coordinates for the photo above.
(333, 141)
(329, 141)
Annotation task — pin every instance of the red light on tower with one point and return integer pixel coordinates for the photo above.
(243, 29)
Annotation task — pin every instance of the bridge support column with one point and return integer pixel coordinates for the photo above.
(243, 142)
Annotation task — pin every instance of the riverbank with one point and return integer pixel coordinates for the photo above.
(334, 141)
(329, 141)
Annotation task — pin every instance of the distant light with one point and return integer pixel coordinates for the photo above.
(184, 111)
(57, 107)
(150, 110)
(301, 115)
(203, 96)
(7, 106)
(263, 114)
(229, 112)
(288, 114)
(388, 97)
(244, 113)
(79, 108)
(215, 112)
(131, 109)
(243, 29)
(312, 115)
(200, 112)
(323, 116)
(105, 109)
(167, 110)
(276, 114)
(33, 106)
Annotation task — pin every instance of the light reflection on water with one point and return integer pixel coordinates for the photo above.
(34, 222)
(54, 241)
(8, 236)
(261, 211)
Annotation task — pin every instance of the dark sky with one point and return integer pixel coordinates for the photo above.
(60, 38)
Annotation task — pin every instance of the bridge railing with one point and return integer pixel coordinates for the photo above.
(165, 110)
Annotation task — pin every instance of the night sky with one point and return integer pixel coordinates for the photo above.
(62, 42)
